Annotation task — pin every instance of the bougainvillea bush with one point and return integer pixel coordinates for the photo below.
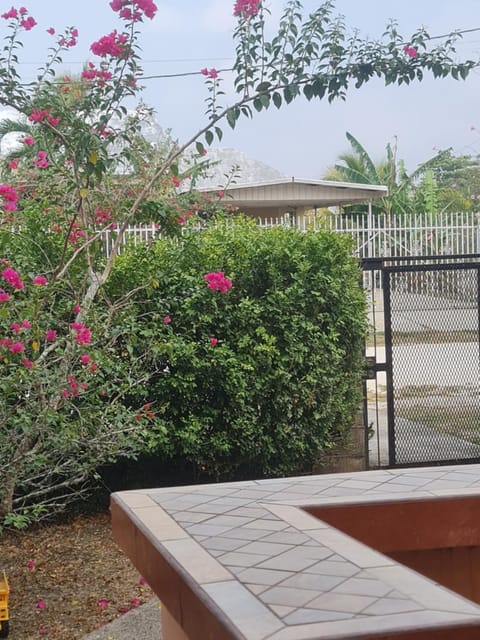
(70, 399)
(255, 341)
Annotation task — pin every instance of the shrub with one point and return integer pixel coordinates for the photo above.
(259, 378)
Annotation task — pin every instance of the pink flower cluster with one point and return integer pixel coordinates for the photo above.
(9, 197)
(41, 160)
(114, 44)
(217, 281)
(74, 387)
(246, 8)
(209, 73)
(13, 278)
(410, 51)
(38, 115)
(70, 40)
(92, 73)
(134, 9)
(83, 335)
(27, 22)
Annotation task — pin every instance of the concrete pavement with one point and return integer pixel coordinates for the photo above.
(142, 623)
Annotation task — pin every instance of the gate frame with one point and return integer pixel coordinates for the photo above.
(382, 267)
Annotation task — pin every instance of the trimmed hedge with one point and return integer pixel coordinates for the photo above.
(282, 383)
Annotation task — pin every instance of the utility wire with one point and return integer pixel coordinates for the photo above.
(196, 73)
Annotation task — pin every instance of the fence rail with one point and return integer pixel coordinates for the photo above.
(373, 236)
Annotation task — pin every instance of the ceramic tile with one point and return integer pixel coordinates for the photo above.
(253, 619)
(287, 596)
(265, 576)
(159, 523)
(196, 561)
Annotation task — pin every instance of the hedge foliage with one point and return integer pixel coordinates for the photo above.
(282, 383)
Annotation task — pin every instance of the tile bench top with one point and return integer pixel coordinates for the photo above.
(270, 570)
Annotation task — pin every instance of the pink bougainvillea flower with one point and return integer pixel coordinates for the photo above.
(410, 51)
(84, 336)
(213, 342)
(17, 347)
(13, 164)
(31, 564)
(167, 320)
(140, 8)
(28, 23)
(135, 602)
(76, 308)
(28, 140)
(209, 73)
(9, 198)
(53, 121)
(85, 358)
(15, 327)
(114, 45)
(41, 604)
(39, 281)
(50, 335)
(51, 31)
(41, 161)
(38, 115)
(246, 8)
(103, 603)
(26, 324)
(142, 581)
(13, 278)
(28, 364)
(216, 280)
(176, 181)
(11, 14)
(4, 296)
(42, 631)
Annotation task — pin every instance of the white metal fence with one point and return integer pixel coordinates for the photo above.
(373, 236)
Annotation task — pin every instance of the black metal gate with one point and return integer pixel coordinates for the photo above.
(424, 358)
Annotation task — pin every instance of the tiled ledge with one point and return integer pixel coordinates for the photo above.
(246, 561)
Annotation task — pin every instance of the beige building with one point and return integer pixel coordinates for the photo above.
(298, 198)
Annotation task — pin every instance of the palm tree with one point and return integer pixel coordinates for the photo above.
(357, 166)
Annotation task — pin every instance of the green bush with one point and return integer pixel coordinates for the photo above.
(282, 383)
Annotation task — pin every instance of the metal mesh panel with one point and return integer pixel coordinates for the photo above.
(433, 358)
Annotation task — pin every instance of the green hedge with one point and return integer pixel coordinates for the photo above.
(282, 383)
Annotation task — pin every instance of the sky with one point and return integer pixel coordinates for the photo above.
(304, 138)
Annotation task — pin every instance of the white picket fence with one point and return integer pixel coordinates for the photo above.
(374, 236)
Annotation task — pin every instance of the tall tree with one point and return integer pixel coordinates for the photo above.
(358, 166)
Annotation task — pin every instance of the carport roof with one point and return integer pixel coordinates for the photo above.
(295, 193)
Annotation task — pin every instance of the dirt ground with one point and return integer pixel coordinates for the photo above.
(68, 579)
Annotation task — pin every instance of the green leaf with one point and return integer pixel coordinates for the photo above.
(277, 100)
(209, 137)
(231, 118)
(219, 133)
(200, 148)
(257, 104)
(308, 91)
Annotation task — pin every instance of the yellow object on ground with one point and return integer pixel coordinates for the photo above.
(4, 591)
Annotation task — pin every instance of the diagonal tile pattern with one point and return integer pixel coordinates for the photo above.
(250, 550)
